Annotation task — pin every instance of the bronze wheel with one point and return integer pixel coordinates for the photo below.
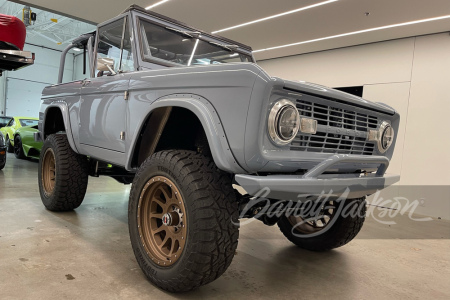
(315, 223)
(162, 221)
(49, 171)
(336, 224)
(62, 174)
(183, 220)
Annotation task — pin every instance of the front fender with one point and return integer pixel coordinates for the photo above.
(212, 125)
(28, 142)
(62, 106)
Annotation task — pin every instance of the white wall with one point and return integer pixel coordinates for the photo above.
(412, 75)
(21, 90)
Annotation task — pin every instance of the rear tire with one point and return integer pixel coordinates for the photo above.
(345, 227)
(18, 148)
(189, 187)
(63, 175)
(9, 147)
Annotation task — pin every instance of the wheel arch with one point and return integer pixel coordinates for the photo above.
(8, 135)
(26, 148)
(56, 119)
(210, 123)
(16, 133)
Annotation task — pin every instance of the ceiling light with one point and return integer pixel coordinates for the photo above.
(156, 4)
(276, 16)
(356, 32)
(77, 49)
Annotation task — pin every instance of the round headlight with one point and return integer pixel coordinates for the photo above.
(284, 122)
(386, 137)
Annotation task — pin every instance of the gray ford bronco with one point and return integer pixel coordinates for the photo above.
(206, 138)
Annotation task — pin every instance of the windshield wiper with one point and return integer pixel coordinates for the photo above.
(191, 34)
(225, 46)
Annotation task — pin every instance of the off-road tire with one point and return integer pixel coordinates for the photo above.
(212, 219)
(340, 233)
(18, 148)
(9, 147)
(71, 175)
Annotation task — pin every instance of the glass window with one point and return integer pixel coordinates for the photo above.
(11, 123)
(169, 45)
(207, 53)
(112, 46)
(4, 121)
(26, 122)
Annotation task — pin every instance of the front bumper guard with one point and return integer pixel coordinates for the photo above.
(315, 183)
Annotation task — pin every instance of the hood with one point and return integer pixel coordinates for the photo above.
(335, 95)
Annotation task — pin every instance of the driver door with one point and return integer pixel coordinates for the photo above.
(103, 107)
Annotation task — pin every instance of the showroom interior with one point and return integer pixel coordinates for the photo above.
(390, 55)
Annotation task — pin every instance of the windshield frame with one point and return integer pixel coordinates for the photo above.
(139, 17)
(128, 17)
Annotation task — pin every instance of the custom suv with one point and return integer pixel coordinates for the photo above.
(206, 137)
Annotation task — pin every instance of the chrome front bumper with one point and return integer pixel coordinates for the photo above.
(315, 182)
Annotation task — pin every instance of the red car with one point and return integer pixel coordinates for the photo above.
(12, 40)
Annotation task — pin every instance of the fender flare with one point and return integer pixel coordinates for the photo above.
(62, 106)
(211, 123)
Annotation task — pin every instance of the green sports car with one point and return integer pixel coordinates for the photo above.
(2, 152)
(24, 143)
(14, 124)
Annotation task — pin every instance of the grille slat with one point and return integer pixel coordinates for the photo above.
(353, 141)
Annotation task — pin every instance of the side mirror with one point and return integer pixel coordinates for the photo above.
(106, 65)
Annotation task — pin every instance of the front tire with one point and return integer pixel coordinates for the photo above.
(333, 228)
(183, 220)
(63, 175)
(18, 149)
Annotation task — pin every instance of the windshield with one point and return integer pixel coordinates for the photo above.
(4, 121)
(185, 48)
(27, 122)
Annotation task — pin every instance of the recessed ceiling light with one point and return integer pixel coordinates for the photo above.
(275, 16)
(156, 4)
(356, 32)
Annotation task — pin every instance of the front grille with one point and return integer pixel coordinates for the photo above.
(339, 130)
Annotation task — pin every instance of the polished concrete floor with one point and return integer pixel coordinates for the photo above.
(86, 254)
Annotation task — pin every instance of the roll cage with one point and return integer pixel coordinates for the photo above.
(134, 16)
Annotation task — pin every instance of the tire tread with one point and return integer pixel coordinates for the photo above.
(214, 208)
(343, 231)
(72, 168)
